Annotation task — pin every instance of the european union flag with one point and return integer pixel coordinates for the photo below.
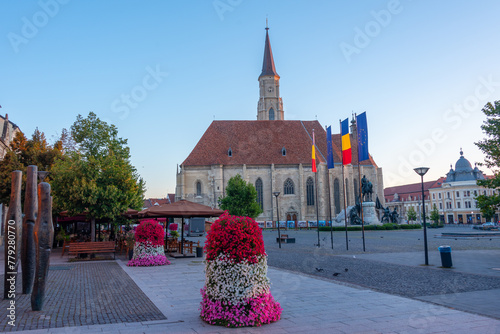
(362, 127)
(329, 147)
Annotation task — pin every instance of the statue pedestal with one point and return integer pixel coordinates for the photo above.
(369, 214)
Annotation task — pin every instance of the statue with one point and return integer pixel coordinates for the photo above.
(13, 229)
(366, 189)
(44, 235)
(395, 216)
(387, 215)
(354, 214)
(28, 251)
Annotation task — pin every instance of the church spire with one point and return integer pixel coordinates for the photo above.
(270, 106)
(268, 63)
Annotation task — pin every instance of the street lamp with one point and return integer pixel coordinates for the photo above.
(421, 171)
(276, 194)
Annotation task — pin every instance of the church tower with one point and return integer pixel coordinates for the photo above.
(270, 106)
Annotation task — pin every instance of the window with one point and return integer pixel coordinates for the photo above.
(467, 205)
(439, 195)
(475, 192)
(310, 191)
(288, 187)
(448, 194)
(271, 114)
(283, 151)
(440, 206)
(260, 193)
(336, 195)
(433, 196)
(458, 205)
(458, 193)
(230, 152)
(198, 188)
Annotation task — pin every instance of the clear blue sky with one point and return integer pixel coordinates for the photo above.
(422, 70)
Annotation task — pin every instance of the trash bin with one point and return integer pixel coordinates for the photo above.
(445, 252)
(199, 251)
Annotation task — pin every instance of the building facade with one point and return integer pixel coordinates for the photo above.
(274, 154)
(455, 199)
(453, 195)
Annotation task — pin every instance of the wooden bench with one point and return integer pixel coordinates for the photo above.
(92, 247)
(284, 238)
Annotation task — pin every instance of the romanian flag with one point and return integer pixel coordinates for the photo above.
(346, 142)
(313, 157)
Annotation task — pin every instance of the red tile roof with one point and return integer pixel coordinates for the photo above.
(261, 143)
(152, 201)
(414, 190)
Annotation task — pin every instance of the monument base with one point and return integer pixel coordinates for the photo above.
(369, 214)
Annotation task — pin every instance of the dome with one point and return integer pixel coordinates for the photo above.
(463, 171)
(462, 165)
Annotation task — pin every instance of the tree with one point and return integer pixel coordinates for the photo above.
(435, 214)
(24, 152)
(240, 199)
(412, 214)
(97, 177)
(490, 146)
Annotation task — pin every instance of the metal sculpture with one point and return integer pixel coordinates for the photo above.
(28, 251)
(13, 228)
(44, 235)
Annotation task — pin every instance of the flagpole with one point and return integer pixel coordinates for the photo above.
(329, 192)
(316, 191)
(360, 188)
(343, 190)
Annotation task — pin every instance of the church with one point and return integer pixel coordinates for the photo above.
(274, 155)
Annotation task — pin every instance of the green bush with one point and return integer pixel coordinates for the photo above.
(388, 226)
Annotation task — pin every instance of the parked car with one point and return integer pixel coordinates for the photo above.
(489, 226)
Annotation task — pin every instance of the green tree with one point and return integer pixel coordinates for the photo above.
(434, 214)
(490, 146)
(97, 177)
(240, 199)
(412, 214)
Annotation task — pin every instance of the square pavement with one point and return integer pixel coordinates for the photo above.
(309, 304)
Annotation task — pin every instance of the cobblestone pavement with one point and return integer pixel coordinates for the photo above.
(82, 294)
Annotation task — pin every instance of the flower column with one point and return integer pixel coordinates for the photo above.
(237, 290)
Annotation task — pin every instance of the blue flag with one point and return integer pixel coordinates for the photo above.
(362, 126)
(330, 147)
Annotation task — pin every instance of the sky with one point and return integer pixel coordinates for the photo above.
(162, 71)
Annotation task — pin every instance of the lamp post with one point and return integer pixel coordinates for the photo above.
(421, 171)
(276, 194)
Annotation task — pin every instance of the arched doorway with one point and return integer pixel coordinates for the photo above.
(291, 216)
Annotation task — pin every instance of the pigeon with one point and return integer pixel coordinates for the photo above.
(320, 269)
(346, 270)
(382, 237)
(336, 274)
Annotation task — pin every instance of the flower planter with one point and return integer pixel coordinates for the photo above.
(237, 289)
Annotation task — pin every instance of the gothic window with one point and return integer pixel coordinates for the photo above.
(356, 189)
(271, 114)
(198, 188)
(310, 191)
(260, 193)
(230, 152)
(283, 151)
(336, 195)
(288, 187)
(346, 192)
